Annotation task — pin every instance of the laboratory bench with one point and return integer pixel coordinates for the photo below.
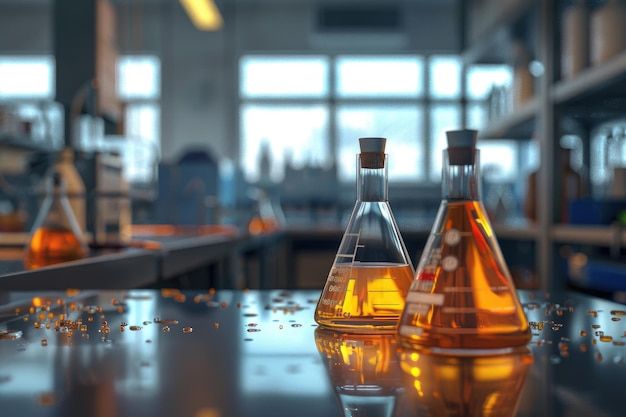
(191, 261)
(259, 353)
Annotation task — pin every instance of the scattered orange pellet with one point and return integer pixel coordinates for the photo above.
(187, 329)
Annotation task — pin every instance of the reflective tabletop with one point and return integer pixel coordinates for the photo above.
(259, 353)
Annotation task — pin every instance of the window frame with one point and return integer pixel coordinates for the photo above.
(333, 101)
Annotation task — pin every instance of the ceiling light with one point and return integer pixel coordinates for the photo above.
(204, 14)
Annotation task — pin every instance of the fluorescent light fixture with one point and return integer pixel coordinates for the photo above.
(204, 14)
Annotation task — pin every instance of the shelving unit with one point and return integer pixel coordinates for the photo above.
(24, 144)
(589, 235)
(596, 95)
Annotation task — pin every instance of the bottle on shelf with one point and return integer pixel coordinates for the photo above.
(75, 187)
(575, 39)
(607, 31)
(56, 236)
(372, 272)
(463, 298)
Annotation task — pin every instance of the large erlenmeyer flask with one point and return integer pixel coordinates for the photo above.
(56, 236)
(465, 386)
(363, 370)
(372, 272)
(463, 296)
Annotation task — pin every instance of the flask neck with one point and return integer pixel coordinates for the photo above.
(461, 181)
(371, 182)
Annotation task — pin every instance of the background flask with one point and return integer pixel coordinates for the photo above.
(463, 296)
(371, 274)
(465, 386)
(363, 369)
(56, 236)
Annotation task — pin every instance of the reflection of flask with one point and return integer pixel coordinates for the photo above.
(466, 386)
(56, 236)
(370, 277)
(363, 370)
(463, 296)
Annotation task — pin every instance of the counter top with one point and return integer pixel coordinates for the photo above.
(259, 353)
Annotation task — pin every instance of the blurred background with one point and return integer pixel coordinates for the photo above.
(243, 116)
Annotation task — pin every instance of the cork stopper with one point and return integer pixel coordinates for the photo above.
(372, 152)
(461, 146)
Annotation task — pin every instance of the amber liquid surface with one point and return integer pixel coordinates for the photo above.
(51, 245)
(364, 297)
(463, 297)
(465, 386)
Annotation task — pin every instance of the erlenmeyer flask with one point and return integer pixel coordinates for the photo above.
(363, 370)
(465, 386)
(56, 236)
(463, 296)
(266, 218)
(371, 274)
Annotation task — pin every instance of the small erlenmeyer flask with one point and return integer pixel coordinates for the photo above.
(56, 236)
(363, 369)
(465, 386)
(463, 296)
(371, 274)
(266, 218)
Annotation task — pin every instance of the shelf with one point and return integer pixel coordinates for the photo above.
(589, 235)
(493, 45)
(519, 124)
(598, 93)
(24, 144)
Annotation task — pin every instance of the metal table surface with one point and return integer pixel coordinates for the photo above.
(260, 354)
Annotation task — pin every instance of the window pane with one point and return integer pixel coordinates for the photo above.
(445, 76)
(442, 118)
(498, 161)
(476, 116)
(401, 125)
(480, 79)
(361, 76)
(143, 122)
(296, 133)
(27, 77)
(284, 76)
(139, 77)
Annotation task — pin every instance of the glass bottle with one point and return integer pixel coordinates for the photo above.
(56, 236)
(463, 296)
(372, 272)
(363, 369)
(74, 186)
(444, 385)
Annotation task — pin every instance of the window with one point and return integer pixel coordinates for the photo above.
(139, 88)
(26, 77)
(292, 76)
(402, 124)
(295, 133)
(310, 109)
(367, 76)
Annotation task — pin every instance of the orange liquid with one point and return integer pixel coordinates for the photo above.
(364, 297)
(51, 245)
(466, 386)
(259, 225)
(463, 297)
